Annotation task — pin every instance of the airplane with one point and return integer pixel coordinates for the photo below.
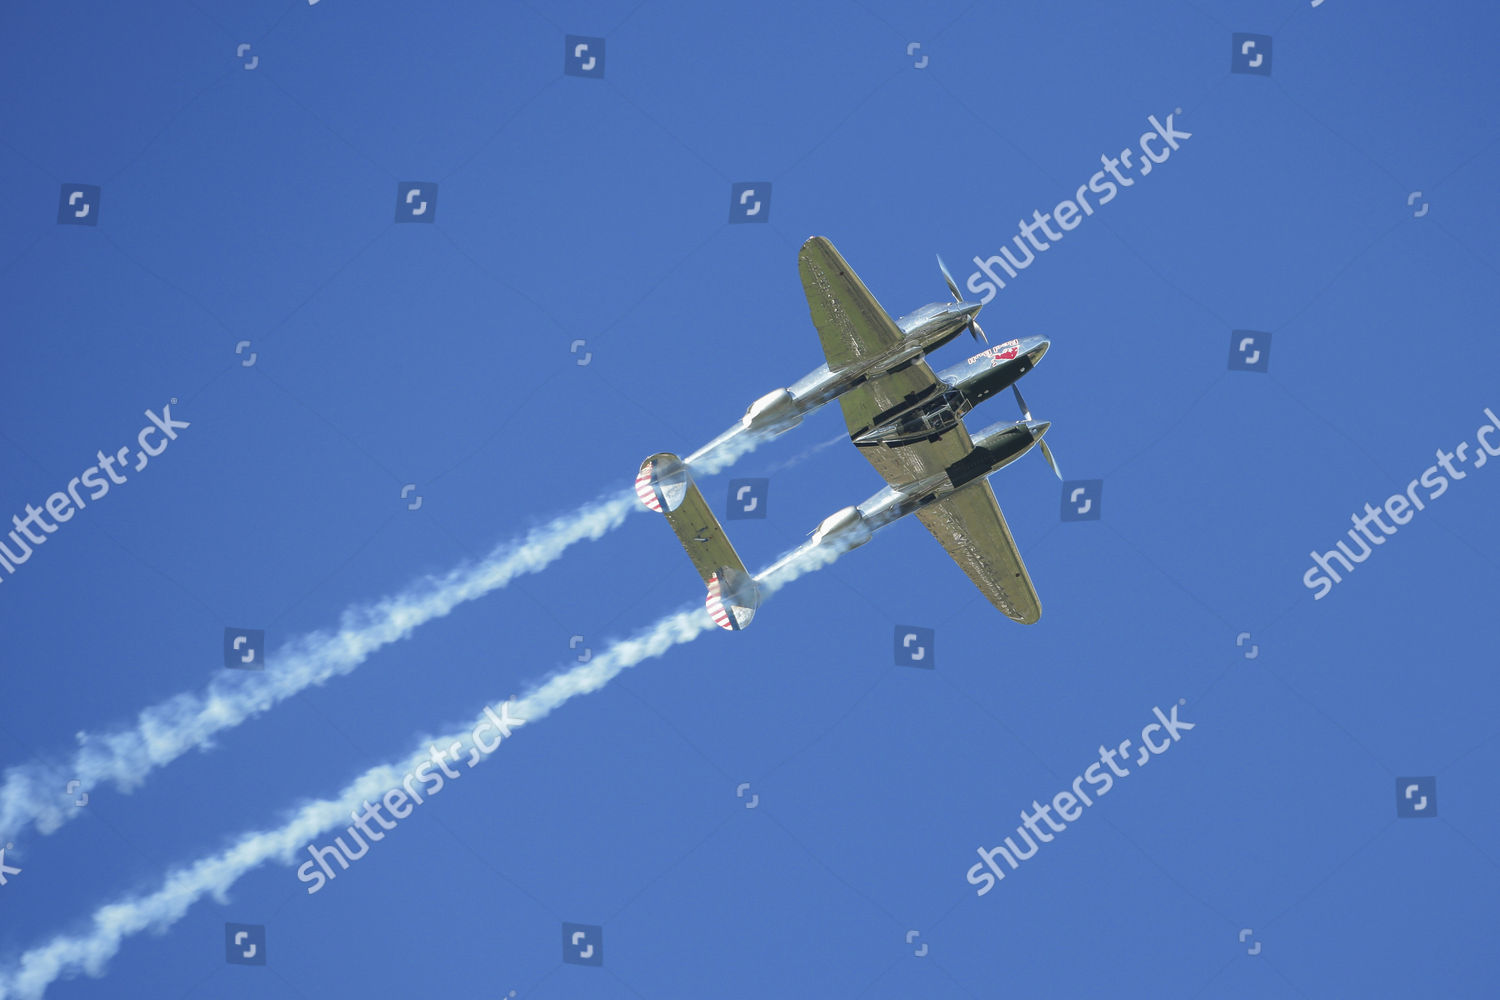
(841, 305)
(908, 422)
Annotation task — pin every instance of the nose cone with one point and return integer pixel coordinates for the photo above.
(1038, 428)
(968, 310)
(1034, 348)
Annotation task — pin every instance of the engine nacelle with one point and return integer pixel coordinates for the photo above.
(775, 411)
(846, 529)
(1002, 437)
(995, 447)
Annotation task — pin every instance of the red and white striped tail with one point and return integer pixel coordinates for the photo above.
(646, 490)
(715, 604)
(732, 598)
(662, 483)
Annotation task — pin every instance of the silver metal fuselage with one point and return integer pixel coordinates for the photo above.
(995, 447)
(964, 386)
(924, 331)
(967, 384)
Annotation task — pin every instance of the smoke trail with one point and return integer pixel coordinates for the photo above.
(38, 792)
(799, 458)
(165, 731)
(113, 923)
(726, 449)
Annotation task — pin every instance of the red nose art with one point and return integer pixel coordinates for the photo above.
(1007, 351)
(715, 605)
(645, 489)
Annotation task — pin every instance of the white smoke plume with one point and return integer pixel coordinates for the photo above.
(43, 794)
(37, 792)
(89, 951)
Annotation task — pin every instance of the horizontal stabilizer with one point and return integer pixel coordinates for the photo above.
(664, 485)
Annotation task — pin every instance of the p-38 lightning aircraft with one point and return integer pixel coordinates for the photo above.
(860, 341)
(905, 419)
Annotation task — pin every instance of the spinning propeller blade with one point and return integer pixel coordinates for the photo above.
(1026, 415)
(974, 329)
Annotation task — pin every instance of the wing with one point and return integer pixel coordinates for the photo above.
(907, 464)
(854, 330)
(851, 324)
(973, 531)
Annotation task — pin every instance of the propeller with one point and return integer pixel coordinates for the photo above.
(1026, 415)
(974, 330)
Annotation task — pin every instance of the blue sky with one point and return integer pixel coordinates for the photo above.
(1340, 204)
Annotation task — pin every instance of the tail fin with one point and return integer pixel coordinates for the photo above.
(664, 485)
(662, 482)
(733, 596)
